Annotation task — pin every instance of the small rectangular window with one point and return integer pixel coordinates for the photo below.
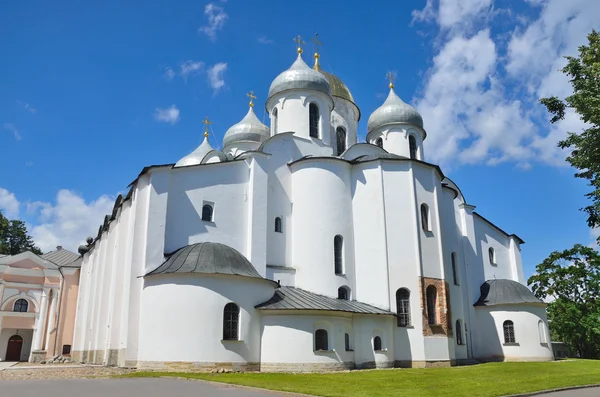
(208, 211)
(66, 350)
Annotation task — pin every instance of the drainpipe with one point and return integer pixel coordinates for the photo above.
(62, 283)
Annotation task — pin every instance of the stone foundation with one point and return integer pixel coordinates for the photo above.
(113, 358)
(306, 367)
(374, 365)
(37, 356)
(184, 366)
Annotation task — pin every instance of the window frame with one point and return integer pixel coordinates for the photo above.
(413, 149)
(508, 327)
(231, 322)
(377, 340)
(278, 225)
(340, 130)
(492, 255)
(338, 254)
(347, 346)
(432, 312)
(454, 269)
(425, 218)
(21, 303)
(403, 307)
(212, 212)
(346, 290)
(274, 114)
(313, 121)
(321, 340)
(379, 142)
(459, 334)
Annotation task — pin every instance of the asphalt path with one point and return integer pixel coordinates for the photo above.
(123, 387)
(589, 392)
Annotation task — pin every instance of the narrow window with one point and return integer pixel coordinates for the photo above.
(425, 217)
(542, 331)
(21, 306)
(344, 293)
(459, 336)
(509, 332)
(412, 145)
(431, 305)
(231, 321)
(492, 254)
(321, 340)
(403, 307)
(274, 121)
(379, 142)
(377, 343)
(313, 110)
(347, 342)
(207, 213)
(454, 271)
(340, 135)
(66, 350)
(278, 225)
(338, 252)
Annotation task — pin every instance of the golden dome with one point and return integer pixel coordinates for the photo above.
(338, 88)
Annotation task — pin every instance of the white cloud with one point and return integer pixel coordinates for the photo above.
(215, 76)
(190, 68)
(169, 73)
(68, 221)
(262, 39)
(168, 115)
(27, 106)
(216, 20)
(480, 97)
(9, 205)
(595, 234)
(13, 129)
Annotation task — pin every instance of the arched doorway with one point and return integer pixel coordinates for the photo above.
(13, 350)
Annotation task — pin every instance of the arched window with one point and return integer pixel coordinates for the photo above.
(454, 270)
(509, 332)
(347, 342)
(340, 135)
(431, 305)
(542, 331)
(231, 321)
(207, 213)
(377, 343)
(403, 307)
(459, 335)
(344, 293)
(425, 217)
(492, 254)
(321, 342)
(278, 228)
(313, 110)
(412, 146)
(338, 253)
(274, 121)
(21, 306)
(379, 142)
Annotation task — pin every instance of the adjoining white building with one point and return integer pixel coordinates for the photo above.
(298, 248)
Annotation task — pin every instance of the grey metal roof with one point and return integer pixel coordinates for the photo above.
(197, 155)
(248, 129)
(378, 156)
(60, 257)
(76, 263)
(505, 292)
(207, 258)
(300, 77)
(394, 110)
(291, 298)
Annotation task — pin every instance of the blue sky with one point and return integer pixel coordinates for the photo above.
(93, 92)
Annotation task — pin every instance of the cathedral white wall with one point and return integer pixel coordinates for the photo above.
(489, 333)
(322, 209)
(182, 319)
(396, 139)
(237, 148)
(488, 236)
(366, 328)
(344, 114)
(223, 185)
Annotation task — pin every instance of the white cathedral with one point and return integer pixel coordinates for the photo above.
(298, 248)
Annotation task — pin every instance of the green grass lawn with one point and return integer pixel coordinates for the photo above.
(484, 380)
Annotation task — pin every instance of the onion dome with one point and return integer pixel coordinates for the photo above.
(197, 155)
(394, 110)
(300, 77)
(248, 129)
(338, 88)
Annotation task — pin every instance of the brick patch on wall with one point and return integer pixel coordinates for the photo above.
(444, 314)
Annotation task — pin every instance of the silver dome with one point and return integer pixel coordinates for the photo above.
(248, 129)
(197, 155)
(298, 77)
(394, 110)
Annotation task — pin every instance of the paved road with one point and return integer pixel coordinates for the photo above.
(123, 388)
(590, 392)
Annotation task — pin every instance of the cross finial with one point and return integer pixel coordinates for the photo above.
(317, 44)
(207, 123)
(299, 43)
(252, 97)
(391, 78)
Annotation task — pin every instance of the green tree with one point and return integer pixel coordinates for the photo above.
(584, 74)
(14, 238)
(571, 281)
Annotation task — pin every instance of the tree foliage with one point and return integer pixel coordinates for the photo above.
(14, 238)
(571, 281)
(584, 74)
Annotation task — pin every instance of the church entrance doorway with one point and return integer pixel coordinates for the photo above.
(13, 350)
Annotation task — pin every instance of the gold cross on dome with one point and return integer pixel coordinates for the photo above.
(207, 123)
(317, 42)
(299, 43)
(252, 97)
(391, 78)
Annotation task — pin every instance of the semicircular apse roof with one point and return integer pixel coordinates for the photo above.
(505, 292)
